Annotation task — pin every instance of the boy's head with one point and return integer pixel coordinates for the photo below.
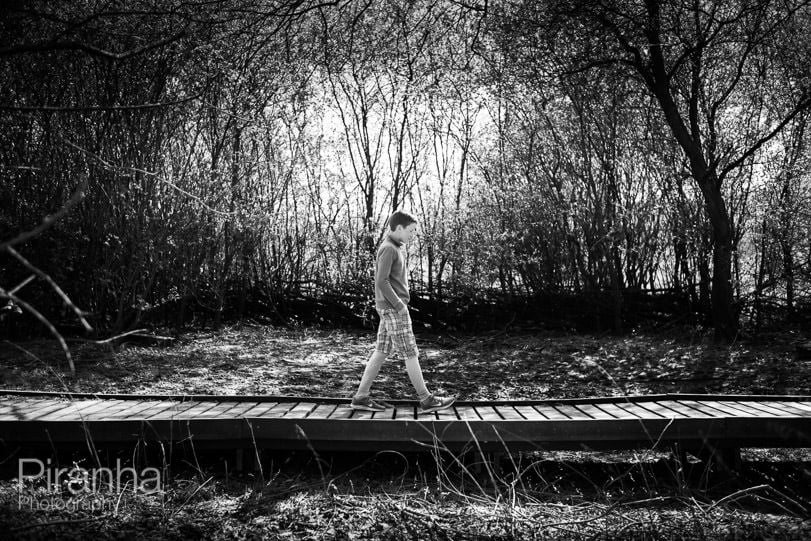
(403, 226)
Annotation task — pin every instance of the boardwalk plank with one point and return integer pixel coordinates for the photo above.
(155, 408)
(113, 407)
(47, 410)
(549, 412)
(279, 410)
(621, 411)
(571, 411)
(178, 409)
(802, 406)
(595, 412)
(529, 413)
(38, 409)
(771, 410)
(688, 412)
(260, 409)
(342, 411)
(805, 406)
(405, 411)
(488, 413)
(322, 411)
(69, 406)
(787, 407)
(362, 414)
(729, 409)
(467, 412)
(72, 410)
(102, 407)
(137, 411)
(447, 415)
(706, 410)
(659, 409)
(385, 415)
(24, 408)
(508, 412)
(301, 410)
(430, 416)
(138, 408)
(199, 408)
(758, 412)
(15, 410)
(747, 409)
(241, 408)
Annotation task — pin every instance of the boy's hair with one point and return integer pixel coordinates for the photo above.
(400, 217)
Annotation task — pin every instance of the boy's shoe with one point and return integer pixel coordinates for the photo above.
(383, 403)
(366, 404)
(435, 403)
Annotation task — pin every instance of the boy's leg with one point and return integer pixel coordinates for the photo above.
(405, 344)
(415, 375)
(370, 373)
(382, 349)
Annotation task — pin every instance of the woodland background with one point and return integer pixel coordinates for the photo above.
(575, 165)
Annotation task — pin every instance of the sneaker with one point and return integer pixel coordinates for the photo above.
(435, 403)
(366, 404)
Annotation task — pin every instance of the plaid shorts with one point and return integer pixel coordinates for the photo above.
(395, 336)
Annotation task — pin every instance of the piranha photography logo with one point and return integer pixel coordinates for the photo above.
(42, 486)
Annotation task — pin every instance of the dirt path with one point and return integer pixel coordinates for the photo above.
(322, 362)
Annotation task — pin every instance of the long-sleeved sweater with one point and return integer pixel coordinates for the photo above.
(391, 276)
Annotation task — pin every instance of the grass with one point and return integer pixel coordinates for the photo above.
(538, 495)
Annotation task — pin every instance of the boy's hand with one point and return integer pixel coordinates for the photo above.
(404, 310)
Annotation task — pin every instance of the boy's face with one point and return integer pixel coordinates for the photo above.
(405, 234)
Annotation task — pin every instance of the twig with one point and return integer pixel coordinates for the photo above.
(53, 284)
(157, 176)
(49, 220)
(256, 450)
(578, 522)
(110, 339)
(44, 320)
(21, 284)
(735, 495)
(196, 490)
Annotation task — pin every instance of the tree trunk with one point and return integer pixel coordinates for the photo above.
(724, 318)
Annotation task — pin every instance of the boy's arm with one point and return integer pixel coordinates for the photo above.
(384, 261)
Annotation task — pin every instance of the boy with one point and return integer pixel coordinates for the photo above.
(395, 333)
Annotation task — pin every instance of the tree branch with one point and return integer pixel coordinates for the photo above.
(49, 220)
(73, 45)
(803, 104)
(33, 311)
(88, 108)
(53, 284)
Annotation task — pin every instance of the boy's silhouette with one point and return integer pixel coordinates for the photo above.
(395, 334)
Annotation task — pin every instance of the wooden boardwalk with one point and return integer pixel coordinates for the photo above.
(33, 419)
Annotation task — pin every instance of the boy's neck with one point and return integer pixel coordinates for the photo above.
(395, 240)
